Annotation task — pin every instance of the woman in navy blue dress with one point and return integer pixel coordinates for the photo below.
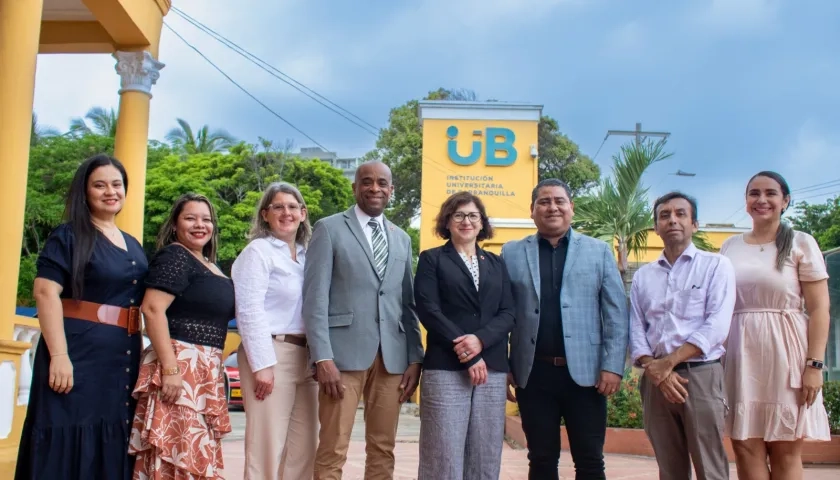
(88, 287)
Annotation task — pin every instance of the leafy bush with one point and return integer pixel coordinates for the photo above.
(831, 400)
(624, 408)
(26, 280)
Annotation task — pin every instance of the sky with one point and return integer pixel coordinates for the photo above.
(741, 85)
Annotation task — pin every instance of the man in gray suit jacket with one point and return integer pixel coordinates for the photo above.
(569, 347)
(361, 325)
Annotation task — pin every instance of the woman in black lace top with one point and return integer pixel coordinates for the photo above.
(182, 411)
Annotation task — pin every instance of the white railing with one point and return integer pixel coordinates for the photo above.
(28, 334)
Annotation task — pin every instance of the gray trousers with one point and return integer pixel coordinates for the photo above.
(462, 427)
(691, 432)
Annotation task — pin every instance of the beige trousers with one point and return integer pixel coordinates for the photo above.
(380, 391)
(691, 432)
(281, 432)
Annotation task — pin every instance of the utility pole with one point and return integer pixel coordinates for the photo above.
(638, 133)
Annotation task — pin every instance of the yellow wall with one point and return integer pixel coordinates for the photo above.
(106, 26)
(716, 237)
(503, 183)
(505, 190)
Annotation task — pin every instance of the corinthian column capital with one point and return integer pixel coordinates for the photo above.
(138, 71)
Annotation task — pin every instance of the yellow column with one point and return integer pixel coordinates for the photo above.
(20, 30)
(138, 72)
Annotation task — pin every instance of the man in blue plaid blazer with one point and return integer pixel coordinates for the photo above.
(569, 346)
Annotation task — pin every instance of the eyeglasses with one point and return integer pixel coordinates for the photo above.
(459, 217)
(280, 207)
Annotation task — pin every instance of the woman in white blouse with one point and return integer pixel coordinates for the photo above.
(278, 388)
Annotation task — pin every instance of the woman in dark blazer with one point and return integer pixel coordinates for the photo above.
(465, 302)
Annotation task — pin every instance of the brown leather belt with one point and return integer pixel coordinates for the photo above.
(556, 361)
(299, 340)
(127, 318)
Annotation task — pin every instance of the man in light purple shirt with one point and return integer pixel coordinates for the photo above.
(681, 308)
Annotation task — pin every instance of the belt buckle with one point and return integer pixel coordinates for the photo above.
(559, 361)
(133, 320)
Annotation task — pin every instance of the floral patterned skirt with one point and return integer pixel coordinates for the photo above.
(181, 440)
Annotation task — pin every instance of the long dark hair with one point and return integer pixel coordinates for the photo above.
(168, 231)
(77, 214)
(784, 235)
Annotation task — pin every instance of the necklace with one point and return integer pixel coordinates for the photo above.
(760, 245)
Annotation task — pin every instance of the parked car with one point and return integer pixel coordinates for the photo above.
(232, 386)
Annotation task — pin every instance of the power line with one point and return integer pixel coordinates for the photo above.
(829, 194)
(744, 216)
(819, 186)
(288, 80)
(601, 146)
(638, 133)
(805, 189)
(243, 88)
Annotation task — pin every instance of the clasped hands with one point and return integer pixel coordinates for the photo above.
(671, 384)
(466, 348)
(329, 377)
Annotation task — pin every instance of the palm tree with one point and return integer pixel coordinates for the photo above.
(183, 138)
(619, 212)
(104, 123)
(40, 132)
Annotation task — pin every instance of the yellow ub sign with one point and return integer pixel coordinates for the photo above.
(486, 148)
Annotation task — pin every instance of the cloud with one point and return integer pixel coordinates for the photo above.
(736, 16)
(469, 24)
(810, 162)
(626, 41)
(67, 86)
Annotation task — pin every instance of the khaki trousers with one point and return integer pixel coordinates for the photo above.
(691, 432)
(381, 393)
(281, 432)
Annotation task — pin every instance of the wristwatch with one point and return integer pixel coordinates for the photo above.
(814, 363)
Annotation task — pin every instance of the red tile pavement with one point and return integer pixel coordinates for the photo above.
(514, 464)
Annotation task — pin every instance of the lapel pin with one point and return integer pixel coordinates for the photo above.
(481, 257)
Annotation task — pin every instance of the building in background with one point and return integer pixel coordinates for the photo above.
(346, 165)
(716, 233)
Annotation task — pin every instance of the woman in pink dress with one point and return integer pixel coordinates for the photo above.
(773, 364)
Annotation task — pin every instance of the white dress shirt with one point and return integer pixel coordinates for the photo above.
(689, 302)
(268, 286)
(364, 218)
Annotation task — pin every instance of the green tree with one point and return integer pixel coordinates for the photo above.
(821, 220)
(400, 146)
(618, 212)
(234, 183)
(702, 242)
(183, 138)
(52, 163)
(103, 121)
(561, 158)
(40, 132)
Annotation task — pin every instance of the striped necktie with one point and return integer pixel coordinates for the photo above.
(380, 250)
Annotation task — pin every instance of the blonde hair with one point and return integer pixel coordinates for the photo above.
(261, 229)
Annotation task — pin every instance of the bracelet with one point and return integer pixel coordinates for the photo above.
(171, 371)
(58, 354)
